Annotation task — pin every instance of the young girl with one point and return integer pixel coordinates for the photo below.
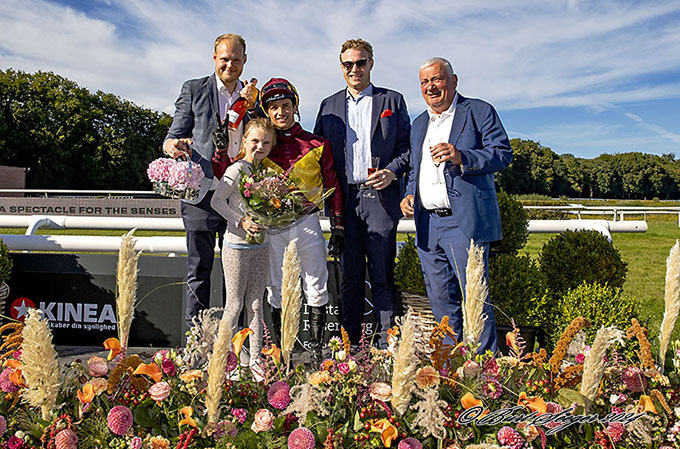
(245, 265)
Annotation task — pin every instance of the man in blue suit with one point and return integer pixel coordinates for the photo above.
(191, 133)
(368, 128)
(456, 146)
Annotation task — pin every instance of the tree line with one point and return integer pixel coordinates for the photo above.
(633, 175)
(71, 138)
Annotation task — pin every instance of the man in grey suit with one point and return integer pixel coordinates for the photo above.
(191, 134)
(368, 128)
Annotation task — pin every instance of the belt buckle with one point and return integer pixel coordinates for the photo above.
(442, 212)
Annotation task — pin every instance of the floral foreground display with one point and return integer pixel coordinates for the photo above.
(607, 393)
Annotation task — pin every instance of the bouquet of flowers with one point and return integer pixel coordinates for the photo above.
(274, 199)
(175, 178)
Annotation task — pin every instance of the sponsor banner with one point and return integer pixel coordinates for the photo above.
(77, 295)
(92, 207)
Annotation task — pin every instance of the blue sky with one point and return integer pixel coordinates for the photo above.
(581, 77)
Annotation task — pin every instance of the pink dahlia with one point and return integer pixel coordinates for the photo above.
(97, 366)
(7, 385)
(410, 443)
(3, 425)
(635, 379)
(508, 436)
(119, 419)
(279, 395)
(301, 438)
(66, 439)
(615, 431)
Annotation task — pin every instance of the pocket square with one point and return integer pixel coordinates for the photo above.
(386, 113)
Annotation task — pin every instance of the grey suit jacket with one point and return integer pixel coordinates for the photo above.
(195, 110)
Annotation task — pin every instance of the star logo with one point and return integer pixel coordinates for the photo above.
(19, 308)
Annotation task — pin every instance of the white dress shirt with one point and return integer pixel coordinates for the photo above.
(358, 132)
(431, 182)
(226, 100)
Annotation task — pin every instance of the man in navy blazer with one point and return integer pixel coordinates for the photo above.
(191, 133)
(456, 146)
(368, 128)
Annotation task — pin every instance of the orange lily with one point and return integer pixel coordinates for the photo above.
(274, 352)
(536, 404)
(16, 376)
(275, 202)
(86, 394)
(188, 420)
(469, 400)
(114, 347)
(647, 404)
(239, 338)
(387, 431)
(150, 369)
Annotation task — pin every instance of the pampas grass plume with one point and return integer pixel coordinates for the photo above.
(291, 299)
(126, 279)
(40, 364)
(672, 301)
(476, 294)
(593, 366)
(405, 362)
(216, 370)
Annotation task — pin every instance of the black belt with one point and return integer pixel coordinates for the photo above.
(442, 211)
(361, 186)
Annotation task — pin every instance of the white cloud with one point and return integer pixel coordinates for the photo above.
(519, 55)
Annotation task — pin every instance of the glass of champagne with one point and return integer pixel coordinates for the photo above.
(436, 160)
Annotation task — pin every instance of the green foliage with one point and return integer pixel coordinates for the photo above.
(602, 305)
(518, 290)
(570, 258)
(408, 274)
(537, 169)
(514, 225)
(6, 262)
(71, 138)
(93, 430)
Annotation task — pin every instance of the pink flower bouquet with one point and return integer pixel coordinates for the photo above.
(175, 179)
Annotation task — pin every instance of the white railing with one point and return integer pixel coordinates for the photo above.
(177, 245)
(618, 212)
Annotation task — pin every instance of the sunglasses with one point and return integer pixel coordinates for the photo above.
(349, 64)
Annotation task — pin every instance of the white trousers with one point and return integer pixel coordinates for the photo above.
(311, 247)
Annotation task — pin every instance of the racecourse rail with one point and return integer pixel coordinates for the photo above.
(177, 245)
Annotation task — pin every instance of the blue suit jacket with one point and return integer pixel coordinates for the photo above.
(389, 138)
(478, 134)
(195, 110)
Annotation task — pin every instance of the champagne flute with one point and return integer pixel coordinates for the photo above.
(437, 161)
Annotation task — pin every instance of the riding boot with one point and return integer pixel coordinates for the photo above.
(317, 323)
(276, 323)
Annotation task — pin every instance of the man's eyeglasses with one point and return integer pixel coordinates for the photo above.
(349, 64)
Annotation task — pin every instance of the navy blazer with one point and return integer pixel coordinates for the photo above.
(390, 131)
(478, 134)
(195, 110)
